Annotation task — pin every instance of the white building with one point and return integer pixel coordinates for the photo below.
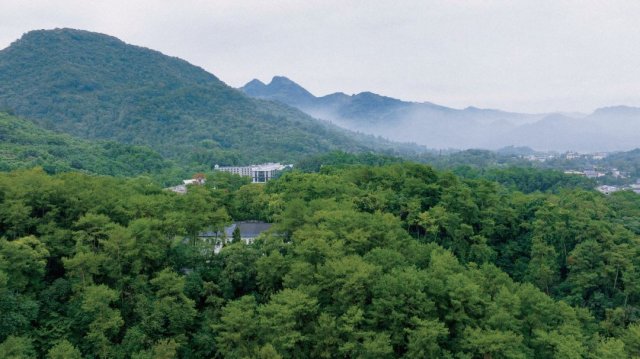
(593, 174)
(240, 171)
(258, 173)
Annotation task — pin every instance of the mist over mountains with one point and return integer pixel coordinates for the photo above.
(95, 86)
(436, 126)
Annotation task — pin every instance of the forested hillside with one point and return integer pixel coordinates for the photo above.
(24, 145)
(97, 87)
(363, 261)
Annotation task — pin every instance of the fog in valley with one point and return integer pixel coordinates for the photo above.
(613, 128)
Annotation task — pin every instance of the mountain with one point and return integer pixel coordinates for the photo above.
(436, 126)
(95, 86)
(24, 145)
(425, 123)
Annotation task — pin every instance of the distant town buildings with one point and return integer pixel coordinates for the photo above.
(259, 173)
(539, 158)
(593, 174)
(607, 189)
(615, 173)
(569, 155)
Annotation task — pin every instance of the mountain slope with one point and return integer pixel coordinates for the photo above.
(24, 145)
(96, 86)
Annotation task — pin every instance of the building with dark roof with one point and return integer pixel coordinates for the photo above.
(249, 231)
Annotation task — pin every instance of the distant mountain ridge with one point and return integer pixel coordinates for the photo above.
(95, 86)
(437, 126)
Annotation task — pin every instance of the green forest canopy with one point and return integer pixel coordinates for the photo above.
(363, 261)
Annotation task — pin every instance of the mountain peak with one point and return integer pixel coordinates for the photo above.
(279, 83)
(255, 82)
(280, 89)
(253, 86)
(282, 80)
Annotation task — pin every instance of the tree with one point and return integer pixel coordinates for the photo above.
(267, 352)
(543, 266)
(105, 321)
(271, 270)
(15, 218)
(398, 298)
(238, 329)
(17, 348)
(285, 321)
(345, 282)
(609, 348)
(23, 260)
(169, 313)
(16, 310)
(424, 339)
(631, 339)
(493, 344)
(236, 236)
(64, 350)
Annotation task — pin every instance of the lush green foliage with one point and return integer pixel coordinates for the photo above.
(343, 159)
(472, 164)
(531, 180)
(24, 145)
(391, 261)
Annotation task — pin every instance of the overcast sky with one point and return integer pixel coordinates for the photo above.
(519, 55)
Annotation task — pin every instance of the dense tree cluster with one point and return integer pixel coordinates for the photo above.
(25, 145)
(362, 261)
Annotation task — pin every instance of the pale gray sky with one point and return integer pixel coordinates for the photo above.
(519, 55)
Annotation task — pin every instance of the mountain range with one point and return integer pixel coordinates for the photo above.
(97, 87)
(89, 88)
(436, 126)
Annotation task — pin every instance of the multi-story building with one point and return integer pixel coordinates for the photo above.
(240, 171)
(258, 173)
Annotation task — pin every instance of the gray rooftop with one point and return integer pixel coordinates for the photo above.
(248, 229)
